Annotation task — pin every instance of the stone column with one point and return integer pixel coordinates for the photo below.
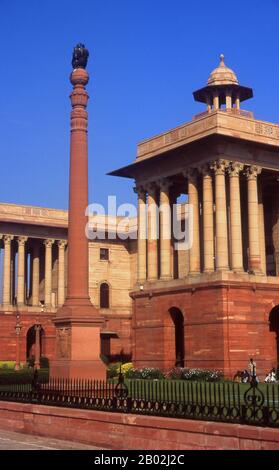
(142, 234)
(35, 274)
(228, 100)
(237, 102)
(208, 103)
(7, 270)
(235, 217)
(21, 271)
(165, 230)
(48, 272)
(17, 332)
(152, 242)
(222, 255)
(262, 230)
(37, 346)
(215, 101)
(253, 219)
(193, 201)
(208, 220)
(61, 272)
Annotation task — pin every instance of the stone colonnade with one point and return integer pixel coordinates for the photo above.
(18, 277)
(216, 208)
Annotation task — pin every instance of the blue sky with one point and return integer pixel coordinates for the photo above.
(146, 58)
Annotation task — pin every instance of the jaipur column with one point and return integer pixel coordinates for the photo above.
(48, 272)
(222, 255)
(153, 232)
(61, 272)
(235, 217)
(21, 271)
(253, 219)
(35, 273)
(7, 270)
(165, 230)
(142, 234)
(193, 201)
(208, 220)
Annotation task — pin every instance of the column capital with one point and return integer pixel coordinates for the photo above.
(252, 172)
(151, 187)
(48, 242)
(62, 243)
(140, 191)
(165, 183)
(7, 239)
(206, 170)
(235, 168)
(22, 240)
(191, 173)
(219, 166)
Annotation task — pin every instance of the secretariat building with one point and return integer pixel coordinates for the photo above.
(213, 305)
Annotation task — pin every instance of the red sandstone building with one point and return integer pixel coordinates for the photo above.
(214, 305)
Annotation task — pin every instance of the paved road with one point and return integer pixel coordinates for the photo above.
(17, 441)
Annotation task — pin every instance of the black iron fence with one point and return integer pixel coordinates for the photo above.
(254, 404)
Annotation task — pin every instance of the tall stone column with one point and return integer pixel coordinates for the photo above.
(61, 272)
(235, 217)
(253, 219)
(208, 220)
(153, 232)
(193, 201)
(78, 323)
(142, 234)
(262, 229)
(7, 271)
(21, 271)
(165, 230)
(222, 255)
(35, 274)
(48, 272)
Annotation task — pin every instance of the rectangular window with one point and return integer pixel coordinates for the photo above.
(104, 254)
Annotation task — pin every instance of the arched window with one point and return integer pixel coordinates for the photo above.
(104, 295)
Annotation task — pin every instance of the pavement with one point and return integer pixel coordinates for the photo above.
(18, 441)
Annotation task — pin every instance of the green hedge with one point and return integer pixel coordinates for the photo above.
(22, 376)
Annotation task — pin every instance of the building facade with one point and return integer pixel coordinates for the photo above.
(213, 305)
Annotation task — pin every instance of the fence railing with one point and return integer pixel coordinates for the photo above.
(216, 401)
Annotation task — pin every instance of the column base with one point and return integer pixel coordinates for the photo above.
(78, 369)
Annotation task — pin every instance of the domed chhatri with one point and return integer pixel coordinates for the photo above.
(222, 88)
(222, 75)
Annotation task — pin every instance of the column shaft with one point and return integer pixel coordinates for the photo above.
(48, 272)
(193, 200)
(152, 244)
(35, 274)
(262, 231)
(142, 234)
(7, 270)
(222, 255)
(61, 272)
(235, 218)
(165, 231)
(208, 220)
(21, 271)
(253, 220)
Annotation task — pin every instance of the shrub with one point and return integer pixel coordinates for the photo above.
(113, 369)
(206, 375)
(7, 365)
(145, 373)
(23, 376)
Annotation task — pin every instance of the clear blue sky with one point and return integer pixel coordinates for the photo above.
(146, 58)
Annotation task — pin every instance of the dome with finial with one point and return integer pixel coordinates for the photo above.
(222, 75)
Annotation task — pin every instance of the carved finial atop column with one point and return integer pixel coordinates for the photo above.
(80, 56)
